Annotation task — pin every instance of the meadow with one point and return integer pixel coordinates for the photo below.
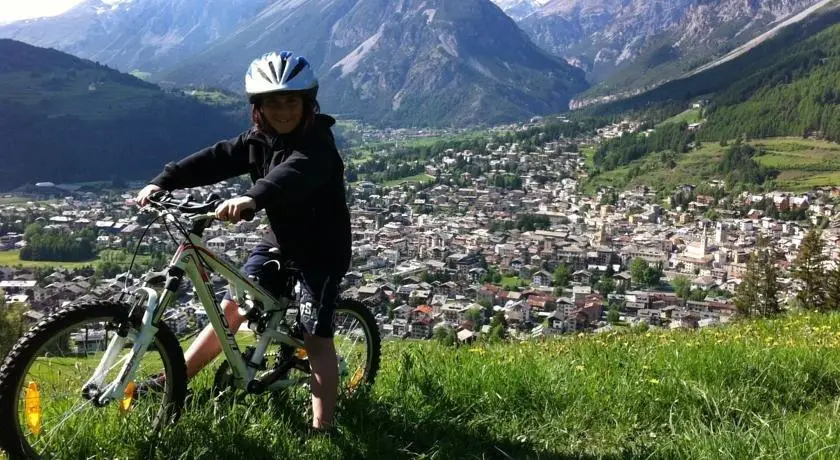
(758, 389)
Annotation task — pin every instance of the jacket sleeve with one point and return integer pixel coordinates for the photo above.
(208, 166)
(292, 180)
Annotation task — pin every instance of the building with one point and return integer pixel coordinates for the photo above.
(541, 278)
(696, 255)
(721, 233)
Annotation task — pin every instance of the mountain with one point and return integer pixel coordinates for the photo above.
(520, 9)
(142, 35)
(792, 92)
(798, 66)
(788, 87)
(407, 62)
(65, 119)
(632, 44)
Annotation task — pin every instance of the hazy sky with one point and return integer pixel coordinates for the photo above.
(14, 10)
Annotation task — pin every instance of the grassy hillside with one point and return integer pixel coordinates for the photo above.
(688, 116)
(768, 389)
(803, 164)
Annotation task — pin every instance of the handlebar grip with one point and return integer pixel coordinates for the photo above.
(157, 194)
(247, 214)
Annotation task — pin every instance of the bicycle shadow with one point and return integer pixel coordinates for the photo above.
(223, 440)
(370, 428)
(375, 430)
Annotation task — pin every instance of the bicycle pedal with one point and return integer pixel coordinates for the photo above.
(302, 365)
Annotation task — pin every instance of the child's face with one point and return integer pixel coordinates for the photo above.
(283, 111)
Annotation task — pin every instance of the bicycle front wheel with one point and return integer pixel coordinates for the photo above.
(46, 409)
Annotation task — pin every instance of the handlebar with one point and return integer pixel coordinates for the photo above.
(163, 199)
(247, 214)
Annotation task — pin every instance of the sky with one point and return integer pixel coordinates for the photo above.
(15, 10)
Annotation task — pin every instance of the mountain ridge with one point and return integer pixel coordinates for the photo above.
(420, 63)
(628, 45)
(763, 58)
(135, 33)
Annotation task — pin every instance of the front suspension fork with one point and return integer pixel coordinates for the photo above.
(116, 388)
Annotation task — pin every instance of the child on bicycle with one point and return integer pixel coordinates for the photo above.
(298, 179)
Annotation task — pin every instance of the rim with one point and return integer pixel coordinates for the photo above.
(352, 375)
(56, 423)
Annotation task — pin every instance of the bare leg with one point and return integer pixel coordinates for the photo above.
(324, 365)
(206, 346)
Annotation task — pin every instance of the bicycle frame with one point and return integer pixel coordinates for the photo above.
(189, 260)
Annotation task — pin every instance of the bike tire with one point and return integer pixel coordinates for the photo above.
(374, 340)
(373, 351)
(22, 355)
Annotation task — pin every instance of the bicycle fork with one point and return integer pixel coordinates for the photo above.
(116, 389)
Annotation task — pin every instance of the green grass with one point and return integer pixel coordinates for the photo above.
(6, 200)
(688, 116)
(216, 98)
(766, 389)
(426, 141)
(12, 258)
(588, 156)
(421, 178)
(510, 282)
(361, 155)
(803, 165)
(147, 76)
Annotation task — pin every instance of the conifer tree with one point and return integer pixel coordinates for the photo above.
(809, 270)
(832, 287)
(759, 289)
(746, 295)
(769, 284)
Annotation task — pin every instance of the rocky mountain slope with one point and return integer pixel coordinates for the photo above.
(628, 44)
(143, 35)
(430, 62)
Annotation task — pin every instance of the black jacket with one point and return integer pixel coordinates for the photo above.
(299, 181)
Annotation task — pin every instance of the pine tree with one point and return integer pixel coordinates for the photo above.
(809, 270)
(746, 294)
(769, 284)
(833, 289)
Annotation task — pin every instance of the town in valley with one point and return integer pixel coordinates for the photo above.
(519, 249)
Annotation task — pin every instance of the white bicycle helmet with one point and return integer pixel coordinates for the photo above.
(284, 72)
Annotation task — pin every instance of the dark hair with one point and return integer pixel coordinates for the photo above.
(310, 109)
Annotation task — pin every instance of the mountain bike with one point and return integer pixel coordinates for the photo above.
(77, 371)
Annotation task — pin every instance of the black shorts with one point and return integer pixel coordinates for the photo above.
(318, 294)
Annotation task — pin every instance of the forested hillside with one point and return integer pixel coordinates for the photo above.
(64, 119)
(786, 86)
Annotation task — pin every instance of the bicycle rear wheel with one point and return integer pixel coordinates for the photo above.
(358, 349)
(357, 345)
(44, 411)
